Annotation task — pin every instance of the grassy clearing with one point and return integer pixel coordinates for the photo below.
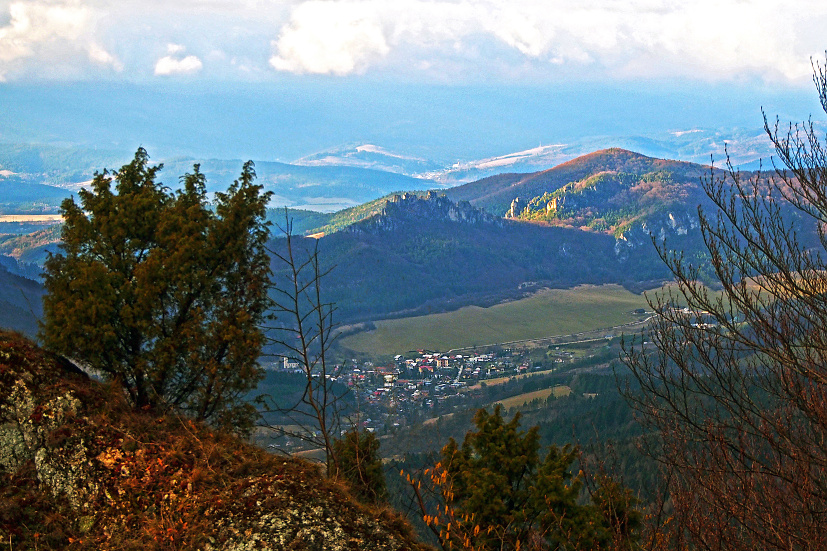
(523, 399)
(434, 420)
(546, 313)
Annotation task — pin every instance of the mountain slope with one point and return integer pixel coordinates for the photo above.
(496, 193)
(590, 220)
(20, 302)
(424, 254)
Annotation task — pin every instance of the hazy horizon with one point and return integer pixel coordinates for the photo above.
(450, 81)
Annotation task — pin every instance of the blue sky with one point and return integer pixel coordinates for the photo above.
(451, 78)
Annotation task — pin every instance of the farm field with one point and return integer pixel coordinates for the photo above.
(500, 380)
(546, 313)
(523, 399)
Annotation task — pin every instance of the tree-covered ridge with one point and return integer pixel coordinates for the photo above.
(496, 193)
(426, 254)
(318, 224)
(344, 218)
(430, 207)
(611, 201)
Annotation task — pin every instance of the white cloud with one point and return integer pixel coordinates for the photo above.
(521, 32)
(442, 39)
(174, 64)
(57, 33)
(102, 57)
(330, 37)
(169, 65)
(706, 38)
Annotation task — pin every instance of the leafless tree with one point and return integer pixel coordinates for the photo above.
(735, 380)
(303, 332)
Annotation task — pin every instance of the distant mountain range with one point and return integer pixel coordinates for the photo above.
(588, 220)
(701, 146)
(34, 178)
(372, 157)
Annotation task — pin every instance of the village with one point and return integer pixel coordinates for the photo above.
(424, 384)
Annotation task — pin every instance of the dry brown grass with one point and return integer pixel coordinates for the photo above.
(523, 399)
(149, 481)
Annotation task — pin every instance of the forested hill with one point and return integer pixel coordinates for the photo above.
(586, 221)
(424, 254)
(316, 223)
(20, 299)
(401, 209)
(605, 191)
(496, 193)
(590, 220)
(613, 191)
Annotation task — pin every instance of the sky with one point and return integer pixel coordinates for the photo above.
(497, 74)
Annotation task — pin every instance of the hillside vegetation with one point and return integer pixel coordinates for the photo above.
(588, 221)
(80, 469)
(320, 224)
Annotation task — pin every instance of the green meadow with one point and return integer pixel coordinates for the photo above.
(547, 313)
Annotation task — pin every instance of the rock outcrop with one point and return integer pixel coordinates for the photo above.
(665, 225)
(79, 469)
(410, 207)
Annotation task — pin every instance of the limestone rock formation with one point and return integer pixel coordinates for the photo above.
(409, 207)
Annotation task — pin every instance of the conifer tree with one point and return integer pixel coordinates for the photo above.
(496, 492)
(162, 291)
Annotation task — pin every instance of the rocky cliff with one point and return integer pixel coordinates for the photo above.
(80, 470)
(404, 208)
